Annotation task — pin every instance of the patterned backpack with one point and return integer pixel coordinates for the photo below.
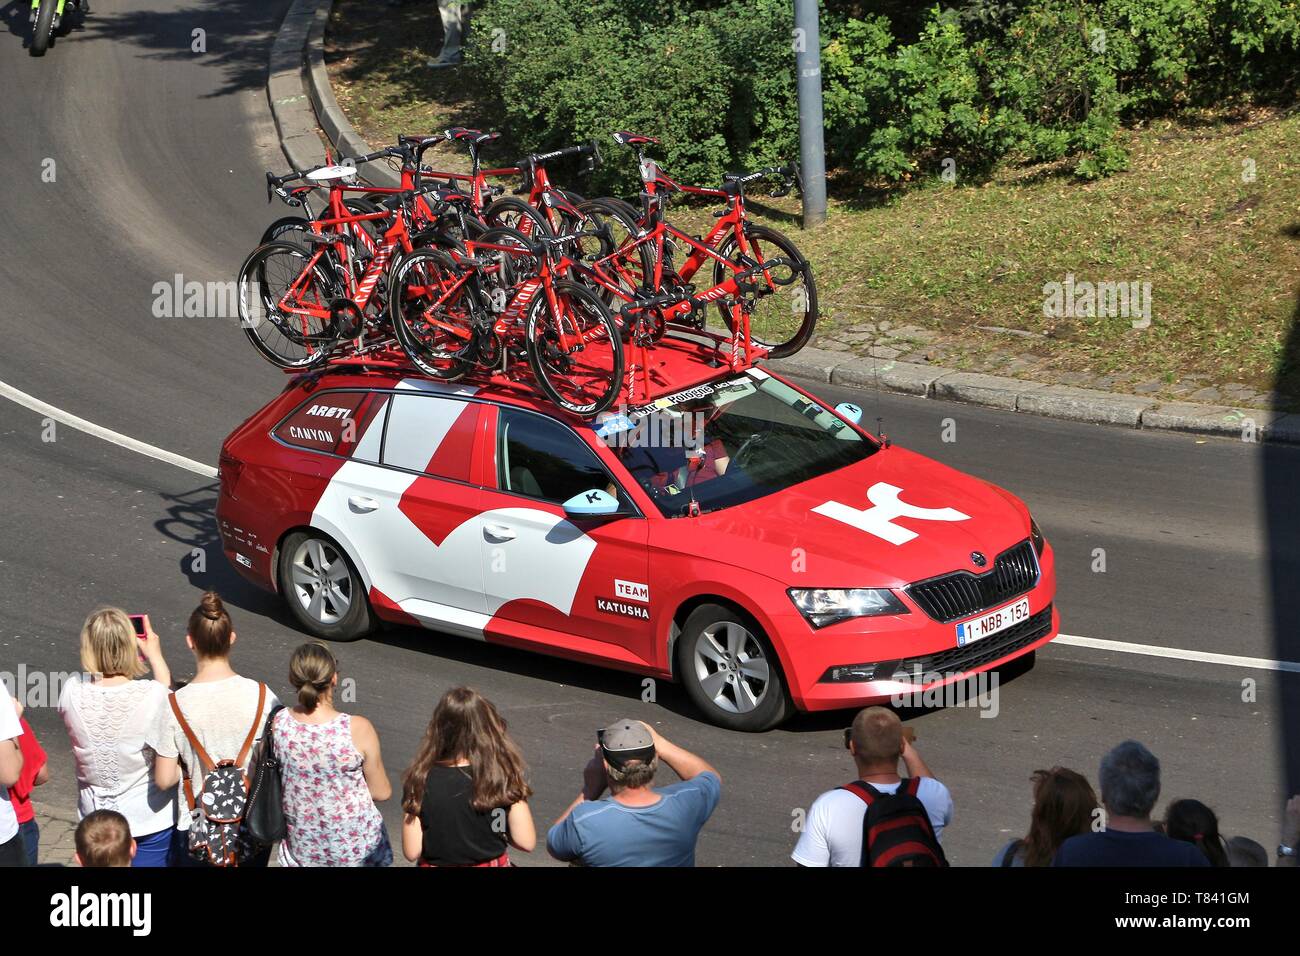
(216, 831)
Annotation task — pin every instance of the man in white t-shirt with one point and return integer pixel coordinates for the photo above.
(11, 768)
(832, 834)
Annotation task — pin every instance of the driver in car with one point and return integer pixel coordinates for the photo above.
(713, 460)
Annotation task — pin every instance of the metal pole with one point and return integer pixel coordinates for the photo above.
(812, 149)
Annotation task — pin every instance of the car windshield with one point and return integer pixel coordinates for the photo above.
(730, 441)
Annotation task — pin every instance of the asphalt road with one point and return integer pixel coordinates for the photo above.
(158, 153)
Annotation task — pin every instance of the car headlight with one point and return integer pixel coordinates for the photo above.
(822, 606)
(1036, 535)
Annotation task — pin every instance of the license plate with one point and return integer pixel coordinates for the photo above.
(968, 632)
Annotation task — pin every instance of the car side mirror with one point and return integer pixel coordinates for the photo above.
(849, 411)
(593, 503)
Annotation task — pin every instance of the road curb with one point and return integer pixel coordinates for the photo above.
(302, 100)
(1036, 398)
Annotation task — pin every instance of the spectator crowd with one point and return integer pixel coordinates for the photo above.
(218, 772)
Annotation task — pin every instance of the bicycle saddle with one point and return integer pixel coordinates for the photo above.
(624, 138)
(471, 135)
(332, 174)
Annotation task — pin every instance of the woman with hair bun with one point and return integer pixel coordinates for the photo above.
(222, 712)
(332, 772)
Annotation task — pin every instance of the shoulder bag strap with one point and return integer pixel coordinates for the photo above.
(205, 762)
(252, 731)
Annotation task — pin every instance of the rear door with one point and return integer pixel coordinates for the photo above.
(411, 513)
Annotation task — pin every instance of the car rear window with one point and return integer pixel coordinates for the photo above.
(431, 434)
(338, 423)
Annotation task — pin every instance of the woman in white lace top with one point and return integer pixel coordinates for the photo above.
(107, 713)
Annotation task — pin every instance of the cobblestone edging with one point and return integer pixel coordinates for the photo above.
(304, 105)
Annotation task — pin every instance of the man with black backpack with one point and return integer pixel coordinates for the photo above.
(879, 819)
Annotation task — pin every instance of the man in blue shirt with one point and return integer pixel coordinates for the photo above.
(636, 824)
(1130, 786)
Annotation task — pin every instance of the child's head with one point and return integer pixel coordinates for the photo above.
(104, 839)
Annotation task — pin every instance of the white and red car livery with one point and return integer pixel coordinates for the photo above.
(738, 536)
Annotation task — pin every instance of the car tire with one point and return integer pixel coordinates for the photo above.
(338, 612)
(750, 696)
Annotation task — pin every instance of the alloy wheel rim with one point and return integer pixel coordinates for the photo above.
(731, 667)
(321, 581)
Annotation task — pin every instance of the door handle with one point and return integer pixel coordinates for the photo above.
(362, 505)
(500, 532)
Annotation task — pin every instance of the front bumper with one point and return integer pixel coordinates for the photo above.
(913, 654)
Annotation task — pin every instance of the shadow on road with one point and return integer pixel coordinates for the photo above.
(225, 25)
(1281, 477)
(191, 521)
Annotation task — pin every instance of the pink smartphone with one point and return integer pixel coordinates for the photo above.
(142, 632)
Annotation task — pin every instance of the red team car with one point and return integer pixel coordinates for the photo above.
(737, 536)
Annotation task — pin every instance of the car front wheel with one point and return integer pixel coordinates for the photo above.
(323, 590)
(729, 670)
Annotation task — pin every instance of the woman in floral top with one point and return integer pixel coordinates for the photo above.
(332, 773)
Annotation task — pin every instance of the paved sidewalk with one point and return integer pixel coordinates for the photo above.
(58, 829)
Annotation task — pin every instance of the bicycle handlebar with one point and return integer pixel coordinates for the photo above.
(274, 182)
(540, 159)
(734, 182)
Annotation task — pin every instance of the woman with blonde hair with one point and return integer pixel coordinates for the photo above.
(108, 712)
(331, 773)
(465, 796)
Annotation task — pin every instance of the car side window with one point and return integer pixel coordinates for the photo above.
(541, 459)
(350, 424)
(432, 434)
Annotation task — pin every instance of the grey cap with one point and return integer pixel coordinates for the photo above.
(625, 740)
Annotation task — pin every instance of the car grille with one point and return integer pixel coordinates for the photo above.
(951, 597)
(974, 656)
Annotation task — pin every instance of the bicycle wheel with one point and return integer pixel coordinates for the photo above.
(785, 309)
(284, 306)
(629, 267)
(515, 266)
(586, 377)
(43, 28)
(517, 214)
(433, 321)
(286, 229)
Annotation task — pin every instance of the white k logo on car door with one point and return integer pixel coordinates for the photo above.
(885, 507)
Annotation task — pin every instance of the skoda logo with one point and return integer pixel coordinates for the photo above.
(979, 559)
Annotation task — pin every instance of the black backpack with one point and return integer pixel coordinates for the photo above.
(896, 829)
(217, 835)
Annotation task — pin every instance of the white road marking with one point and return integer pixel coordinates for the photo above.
(207, 471)
(107, 434)
(1180, 654)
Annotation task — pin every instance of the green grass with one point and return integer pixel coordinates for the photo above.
(1222, 253)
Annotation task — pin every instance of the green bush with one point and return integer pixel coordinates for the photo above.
(713, 81)
(905, 89)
